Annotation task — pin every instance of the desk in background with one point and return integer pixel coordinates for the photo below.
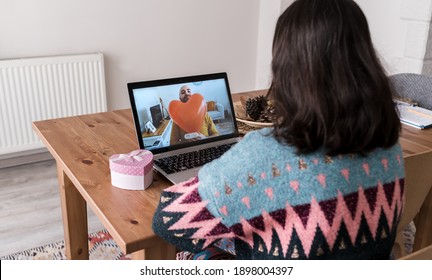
(160, 138)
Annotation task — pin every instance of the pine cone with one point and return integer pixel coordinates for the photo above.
(254, 107)
(268, 113)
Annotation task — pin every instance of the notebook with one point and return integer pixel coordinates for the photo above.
(185, 122)
(415, 116)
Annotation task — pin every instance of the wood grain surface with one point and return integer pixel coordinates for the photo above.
(82, 145)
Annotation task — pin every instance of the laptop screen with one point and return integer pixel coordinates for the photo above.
(181, 112)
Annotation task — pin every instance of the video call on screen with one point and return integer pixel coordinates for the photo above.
(156, 121)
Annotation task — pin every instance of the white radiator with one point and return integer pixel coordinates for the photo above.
(42, 88)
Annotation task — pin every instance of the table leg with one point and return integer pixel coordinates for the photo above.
(161, 251)
(74, 213)
(423, 237)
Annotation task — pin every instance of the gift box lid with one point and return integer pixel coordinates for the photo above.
(138, 162)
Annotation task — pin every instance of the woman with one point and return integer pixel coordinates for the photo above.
(326, 182)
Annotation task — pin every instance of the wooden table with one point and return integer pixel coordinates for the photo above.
(82, 145)
(159, 131)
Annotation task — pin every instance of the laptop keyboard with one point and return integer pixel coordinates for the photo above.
(193, 159)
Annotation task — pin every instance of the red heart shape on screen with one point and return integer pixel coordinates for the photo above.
(188, 116)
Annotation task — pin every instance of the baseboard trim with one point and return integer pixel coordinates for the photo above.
(25, 158)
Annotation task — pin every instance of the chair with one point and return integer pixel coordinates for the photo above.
(215, 110)
(422, 254)
(415, 87)
(418, 202)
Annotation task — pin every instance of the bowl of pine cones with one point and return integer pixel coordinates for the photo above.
(255, 111)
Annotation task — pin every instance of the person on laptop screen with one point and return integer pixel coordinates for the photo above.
(327, 180)
(206, 128)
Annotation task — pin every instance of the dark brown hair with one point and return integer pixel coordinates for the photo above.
(329, 88)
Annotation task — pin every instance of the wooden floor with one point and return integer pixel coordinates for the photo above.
(30, 213)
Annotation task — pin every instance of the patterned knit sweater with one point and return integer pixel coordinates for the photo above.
(279, 205)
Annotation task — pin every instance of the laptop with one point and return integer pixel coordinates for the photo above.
(184, 133)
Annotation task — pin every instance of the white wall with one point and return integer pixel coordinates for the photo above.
(387, 30)
(400, 30)
(140, 39)
(269, 12)
(150, 39)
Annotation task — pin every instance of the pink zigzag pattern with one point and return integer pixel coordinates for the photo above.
(306, 232)
(317, 218)
(191, 210)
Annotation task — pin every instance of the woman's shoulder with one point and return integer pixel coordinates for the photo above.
(256, 145)
(250, 153)
(263, 134)
(254, 154)
(263, 140)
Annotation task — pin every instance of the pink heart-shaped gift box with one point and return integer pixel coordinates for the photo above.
(132, 171)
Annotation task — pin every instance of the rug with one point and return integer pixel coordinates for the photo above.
(101, 247)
